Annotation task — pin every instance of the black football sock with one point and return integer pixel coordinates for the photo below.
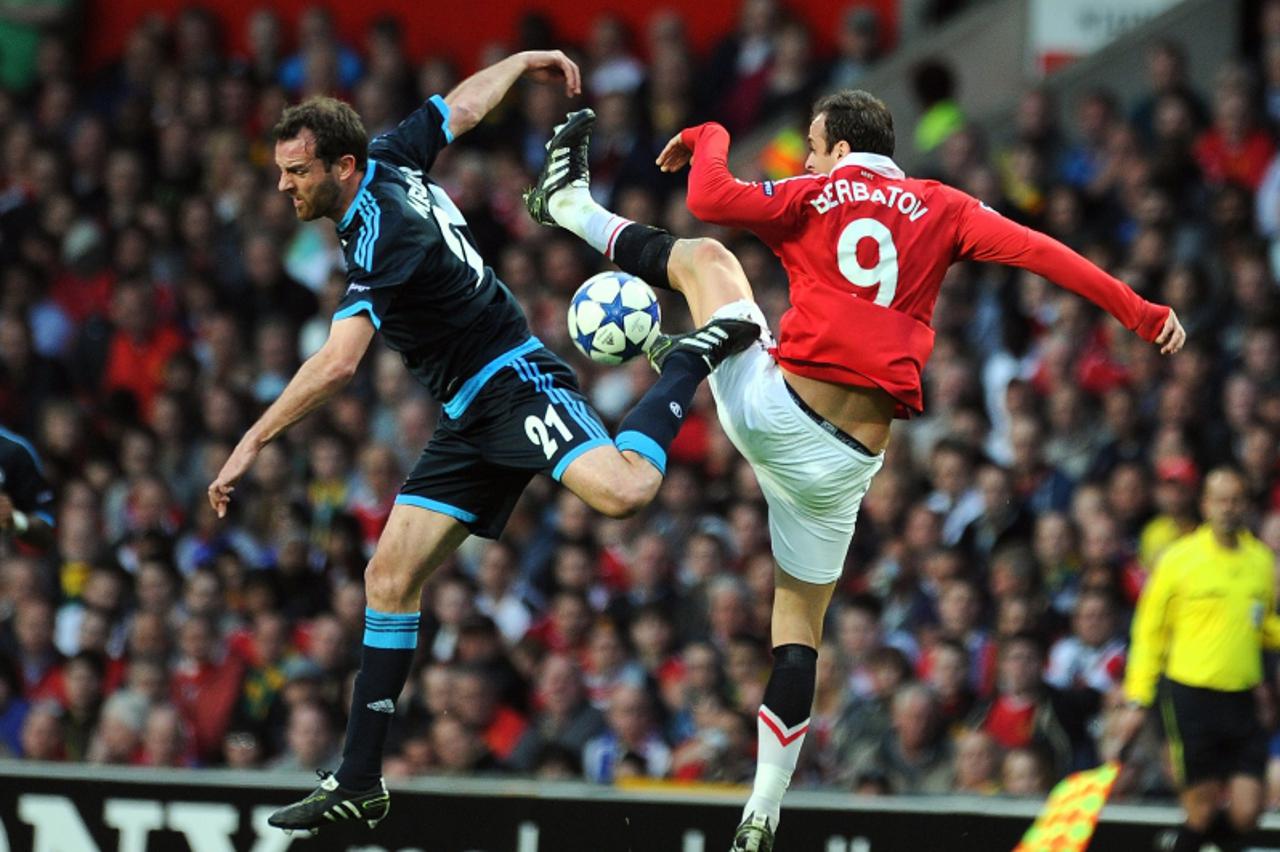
(390, 639)
(781, 726)
(644, 250)
(651, 426)
(789, 693)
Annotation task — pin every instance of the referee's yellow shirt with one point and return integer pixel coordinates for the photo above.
(1204, 617)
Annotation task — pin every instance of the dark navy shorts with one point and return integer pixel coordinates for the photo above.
(1213, 735)
(521, 415)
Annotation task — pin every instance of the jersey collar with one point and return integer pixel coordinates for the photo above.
(878, 163)
(370, 166)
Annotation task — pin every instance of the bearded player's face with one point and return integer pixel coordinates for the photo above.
(313, 187)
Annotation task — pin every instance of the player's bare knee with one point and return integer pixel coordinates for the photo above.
(681, 264)
(384, 587)
(709, 252)
(689, 260)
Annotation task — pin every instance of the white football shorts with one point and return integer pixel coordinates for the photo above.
(813, 481)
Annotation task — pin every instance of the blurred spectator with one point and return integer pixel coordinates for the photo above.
(857, 45)
(500, 597)
(954, 496)
(319, 48)
(735, 75)
(720, 752)
(1235, 148)
(22, 28)
(564, 717)
(934, 86)
(916, 755)
(460, 749)
(309, 740)
(119, 735)
(166, 740)
(475, 704)
(1177, 484)
(949, 680)
(42, 735)
(1166, 79)
(1026, 710)
(611, 67)
(242, 749)
(84, 676)
(1025, 773)
(630, 734)
(1093, 655)
(977, 764)
(206, 684)
(867, 720)
(41, 665)
(139, 346)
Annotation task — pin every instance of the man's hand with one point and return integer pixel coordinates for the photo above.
(237, 465)
(1128, 726)
(1172, 336)
(676, 155)
(549, 66)
(6, 512)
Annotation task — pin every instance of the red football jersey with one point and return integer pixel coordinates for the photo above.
(866, 248)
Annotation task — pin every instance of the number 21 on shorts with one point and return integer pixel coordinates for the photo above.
(538, 429)
(885, 271)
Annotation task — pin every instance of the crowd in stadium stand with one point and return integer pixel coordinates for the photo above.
(156, 291)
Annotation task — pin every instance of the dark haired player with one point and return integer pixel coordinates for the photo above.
(512, 409)
(865, 249)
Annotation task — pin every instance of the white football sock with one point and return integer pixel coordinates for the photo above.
(575, 210)
(777, 751)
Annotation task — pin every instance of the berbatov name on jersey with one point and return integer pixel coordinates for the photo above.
(845, 191)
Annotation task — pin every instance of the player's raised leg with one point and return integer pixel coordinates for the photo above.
(705, 272)
(415, 541)
(619, 480)
(711, 279)
(610, 481)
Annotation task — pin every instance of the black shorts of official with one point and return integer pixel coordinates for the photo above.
(521, 415)
(1213, 735)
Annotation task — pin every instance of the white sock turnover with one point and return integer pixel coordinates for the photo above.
(576, 211)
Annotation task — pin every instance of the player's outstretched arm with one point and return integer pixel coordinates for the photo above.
(319, 377)
(985, 235)
(473, 98)
(716, 196)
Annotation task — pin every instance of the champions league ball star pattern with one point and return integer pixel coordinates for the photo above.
(613, 317)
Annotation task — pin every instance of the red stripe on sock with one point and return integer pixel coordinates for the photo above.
(608, 245)
(777, 732)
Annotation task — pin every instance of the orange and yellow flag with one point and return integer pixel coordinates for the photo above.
(1071, 813)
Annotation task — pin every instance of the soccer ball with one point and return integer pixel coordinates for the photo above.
(613, 317)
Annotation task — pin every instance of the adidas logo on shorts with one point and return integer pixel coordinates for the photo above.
(384, 705)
